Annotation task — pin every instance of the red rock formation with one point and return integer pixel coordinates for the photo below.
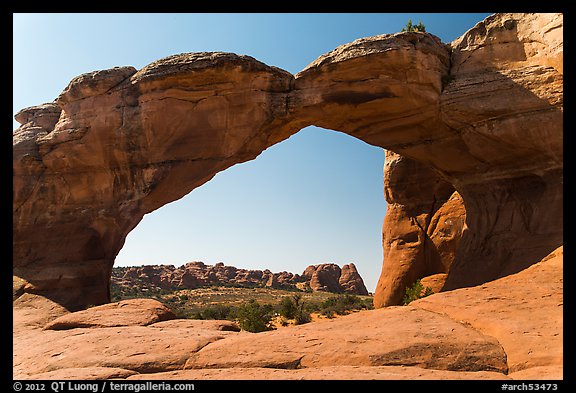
(326, 277)
(330, 278)
(414, 193)
(350, 280)
(502, 101)
(484, 115)
(505, 101)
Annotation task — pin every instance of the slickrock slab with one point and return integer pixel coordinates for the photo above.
(137, 348)
(198, 324)
(84, 373)
(322, 373)
(522, 311)
(131, 312)
(390, 336)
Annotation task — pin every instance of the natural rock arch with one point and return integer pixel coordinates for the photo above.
(482, 116)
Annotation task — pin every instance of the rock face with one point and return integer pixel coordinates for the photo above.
(330, 278)
(482, 115)
(513, 211)
(325, 277)
(506, 309)
(501, 99)
(350, 280)
(417, 199)
(510, 328)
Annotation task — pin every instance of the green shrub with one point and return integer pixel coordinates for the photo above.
(416, 291)
(411, 27)
(218, 311)
(302, 317)
(287, 307)
(293, 307)
(255, 317)
(342, 304)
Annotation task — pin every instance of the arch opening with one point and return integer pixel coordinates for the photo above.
(120, 143)
(314, 198)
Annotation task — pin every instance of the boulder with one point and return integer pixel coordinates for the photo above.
(131, 312)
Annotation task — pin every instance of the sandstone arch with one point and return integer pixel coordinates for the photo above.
(482, 116)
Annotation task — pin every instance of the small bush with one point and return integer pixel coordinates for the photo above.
(302, 317)
(218, 311)
(255, 317)
(287, 308)
(415, 292)
(342, 305)
(412, 27)
(292, 307)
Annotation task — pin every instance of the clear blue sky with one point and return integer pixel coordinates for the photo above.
(314, 198)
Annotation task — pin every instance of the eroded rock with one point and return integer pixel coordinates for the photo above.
(131, 312)
(138, 348)
(523, 311)
(192, 275)
(484, 117)
(400, 336)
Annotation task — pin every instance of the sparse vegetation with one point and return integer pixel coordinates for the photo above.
(416, 291)
(217, 311)
(343, 304)
(412, 27)
(254, 309)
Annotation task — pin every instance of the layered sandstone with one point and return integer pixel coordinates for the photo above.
(502, 102)
(505, 101)
(417, 202)
(483, 115)
(127, 142)
(324, 277)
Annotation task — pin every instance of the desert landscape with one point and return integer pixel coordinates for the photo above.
(473, 181)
